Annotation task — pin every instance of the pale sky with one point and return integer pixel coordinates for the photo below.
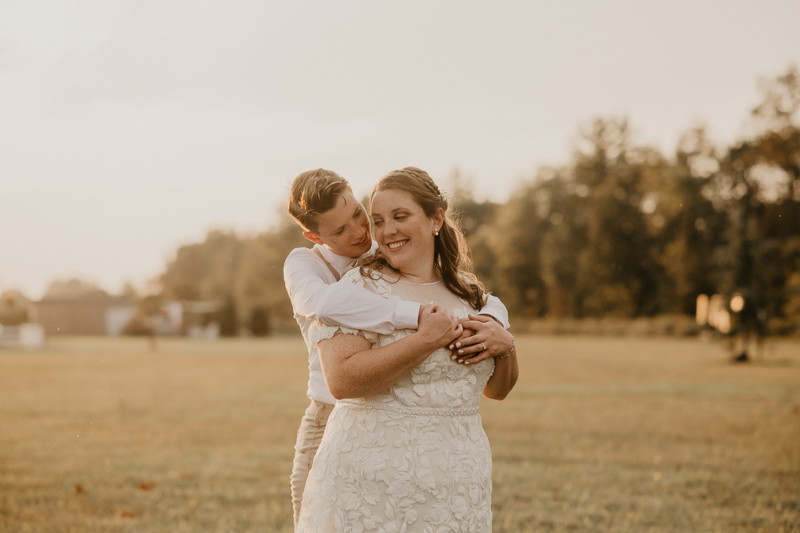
(129, 128)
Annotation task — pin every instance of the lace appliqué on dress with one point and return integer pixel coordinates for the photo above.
(411, 458)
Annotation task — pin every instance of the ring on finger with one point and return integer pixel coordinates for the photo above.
(484, 346)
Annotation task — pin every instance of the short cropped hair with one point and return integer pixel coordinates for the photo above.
(313, 193)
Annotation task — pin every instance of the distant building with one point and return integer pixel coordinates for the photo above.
(25, 335)
(117, 317)
(92, 314)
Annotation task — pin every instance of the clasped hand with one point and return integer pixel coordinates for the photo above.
(483, 337)
(471, 339)
(438, 327)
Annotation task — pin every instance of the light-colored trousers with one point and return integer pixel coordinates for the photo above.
(312, 427)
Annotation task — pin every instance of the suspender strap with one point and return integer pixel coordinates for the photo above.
(333, 270)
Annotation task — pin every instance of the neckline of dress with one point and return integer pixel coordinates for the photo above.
(401, 280)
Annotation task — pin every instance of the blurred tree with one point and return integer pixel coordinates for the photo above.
(517, 245)
(203, 271)
(245, 273)
(758, 187)
(789, 320)
(128, 289)
(563, 212)
(13, 308)
(620, 230)
(259, 279)
(686, 228)
(254, 277)
(617, 271)
(227, 319)
(470, 213)
(259, 322)
(778, 110)
(73, 288)
(476, 220)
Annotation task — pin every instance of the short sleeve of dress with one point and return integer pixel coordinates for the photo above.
(324, 331)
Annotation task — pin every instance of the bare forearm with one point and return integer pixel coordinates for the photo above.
(369, 371)
(353, 370)
(506, 372)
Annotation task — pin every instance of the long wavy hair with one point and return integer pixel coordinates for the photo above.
(451, 254)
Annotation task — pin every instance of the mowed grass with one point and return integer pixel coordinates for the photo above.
(600, 434)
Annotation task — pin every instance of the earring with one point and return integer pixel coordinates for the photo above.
(436, 232)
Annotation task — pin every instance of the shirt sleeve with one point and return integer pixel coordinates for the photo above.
(342, 303)
(495, 308)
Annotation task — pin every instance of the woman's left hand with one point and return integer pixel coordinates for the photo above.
(485, 338)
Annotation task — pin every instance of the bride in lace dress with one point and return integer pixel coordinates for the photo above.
(405, 450)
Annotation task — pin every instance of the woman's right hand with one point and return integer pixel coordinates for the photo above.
(437, 327)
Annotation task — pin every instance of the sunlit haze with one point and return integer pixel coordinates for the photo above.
(130, 128)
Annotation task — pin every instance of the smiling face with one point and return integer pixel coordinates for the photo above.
(405, 234)
(344, 229)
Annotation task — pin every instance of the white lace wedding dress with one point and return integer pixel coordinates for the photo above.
(412, 458)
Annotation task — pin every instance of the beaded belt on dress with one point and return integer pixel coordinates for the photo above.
(405, 410)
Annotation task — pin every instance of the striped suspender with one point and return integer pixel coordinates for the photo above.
(333, 270)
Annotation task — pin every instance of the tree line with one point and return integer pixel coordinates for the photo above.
(621, 230)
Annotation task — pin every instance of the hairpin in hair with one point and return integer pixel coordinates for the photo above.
(444, 195)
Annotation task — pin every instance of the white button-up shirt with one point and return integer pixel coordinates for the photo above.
(316, 295)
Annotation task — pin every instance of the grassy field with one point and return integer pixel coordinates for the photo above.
(600, 434)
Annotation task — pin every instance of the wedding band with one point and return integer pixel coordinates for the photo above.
(484, 346)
